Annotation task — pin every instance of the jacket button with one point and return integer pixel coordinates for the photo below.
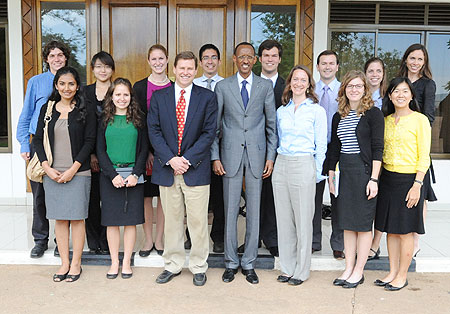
(245, 130)
(245, 116)
(242, 145)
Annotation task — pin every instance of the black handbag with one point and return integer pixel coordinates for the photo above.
(126, 172)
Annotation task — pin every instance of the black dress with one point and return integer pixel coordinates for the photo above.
(425, 91)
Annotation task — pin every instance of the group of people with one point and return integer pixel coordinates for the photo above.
(194, 142)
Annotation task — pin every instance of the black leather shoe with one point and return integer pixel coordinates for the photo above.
(56, 251)
(295, 282)
(380, 283)
(218, 247)
(112, 276)
(375, 256)
(145, 253)
(187, 244)
(273, 251)
(315, 250)
(159, 252)
(339, 282)
(351, 285)
(390, 287)
(37, 251)
(103, 251)
(338, 254)
(228, 274)
(166, 276)
(199, 279)
(283, 278)
(127, 275)
(250, 276)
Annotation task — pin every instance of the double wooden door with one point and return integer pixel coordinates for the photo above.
(129, 28)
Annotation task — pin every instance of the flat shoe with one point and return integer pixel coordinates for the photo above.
(74, 278)
(283, 278)
(59, 278)
(339, 282)
(390, 287)
(127, 276)
(351, 285)
(295, 282)
(380, 283)
(112, 276)
(145, 253)
(375, 256)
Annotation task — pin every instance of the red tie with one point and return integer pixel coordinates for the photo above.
(181, 107)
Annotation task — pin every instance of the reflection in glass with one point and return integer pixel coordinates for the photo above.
(391, 47)
(274, 22)
(66, 22)
(353, 50)
(439, 53)
(3, 91)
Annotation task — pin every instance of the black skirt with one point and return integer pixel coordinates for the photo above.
(150, 189)
(354, 211)
(428, 191)
(392, 215)
(121, 207)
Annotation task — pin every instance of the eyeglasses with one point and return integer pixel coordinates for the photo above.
(245, 57)
(355, 86)
(204, 58)
(102, 67)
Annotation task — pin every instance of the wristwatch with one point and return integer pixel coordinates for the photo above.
(418, 181)
(374, 180)
(136, 176)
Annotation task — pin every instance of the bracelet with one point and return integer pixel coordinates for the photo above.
(418, 181)
(374, 180)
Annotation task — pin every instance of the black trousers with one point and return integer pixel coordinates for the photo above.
(40, 227)
(337, 235)
(268, 220)
(95, 232)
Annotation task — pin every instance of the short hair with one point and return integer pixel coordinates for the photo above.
(269, 44)
(383, 83)
(244, 43)
(185, 55)
(206, 47)
(365, 103)
(388, 105)
(310, 91)
(104, 58)
(425, 70)
(52, 45)
(328, 53)
(157, 47)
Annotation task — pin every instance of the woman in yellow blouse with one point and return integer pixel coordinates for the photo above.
(406, 158)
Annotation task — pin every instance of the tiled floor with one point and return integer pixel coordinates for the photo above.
(16, 240)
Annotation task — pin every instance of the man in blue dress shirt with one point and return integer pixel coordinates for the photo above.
(39, 88)
(327, 91)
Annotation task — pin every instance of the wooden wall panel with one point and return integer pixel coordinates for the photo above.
(29, 40)
(307, 33)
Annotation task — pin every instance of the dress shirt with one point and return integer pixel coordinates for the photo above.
(187, 97)
(273, 78)
(377, 99)
(333, 105)
(39, 89)
(249, 80)
(303, 132)
(407, 143)
(203, 81)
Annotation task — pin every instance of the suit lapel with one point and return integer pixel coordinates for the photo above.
(171, 108)
(254, 90)
(192, 108)
(236, 91)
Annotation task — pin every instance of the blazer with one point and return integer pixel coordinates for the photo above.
(105, 163)
(198, 135)
(278, 90)
(253, 128)
(425, 91)
(370, 135)
(81, 134)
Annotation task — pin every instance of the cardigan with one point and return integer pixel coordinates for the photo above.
(81, 134)
(104, 161)
(370, 135)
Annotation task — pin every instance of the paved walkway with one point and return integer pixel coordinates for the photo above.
(29, 289)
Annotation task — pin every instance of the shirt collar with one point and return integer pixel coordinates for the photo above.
(333, 85)
(215, 78)
(178, 89)
(249, 79)
(307, 101)
(376, 94)
(273, 78)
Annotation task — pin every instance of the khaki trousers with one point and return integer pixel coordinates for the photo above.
(175, 199)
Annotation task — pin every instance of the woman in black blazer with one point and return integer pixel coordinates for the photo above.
(357, 144)
(157, 59)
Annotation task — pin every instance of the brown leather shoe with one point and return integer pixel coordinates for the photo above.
(338, 254)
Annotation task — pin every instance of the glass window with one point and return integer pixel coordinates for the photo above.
(4, 115)
(353, 49)
(391, 47)
(66, 22)
(275, 22)
(438, 47)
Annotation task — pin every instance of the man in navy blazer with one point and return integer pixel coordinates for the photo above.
(182, 123)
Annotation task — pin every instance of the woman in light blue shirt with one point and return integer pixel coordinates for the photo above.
(376, 76)
(302, 143)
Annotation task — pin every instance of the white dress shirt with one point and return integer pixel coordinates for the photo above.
(249, 80)
(203, 81)
(273, 78)
(187, 97)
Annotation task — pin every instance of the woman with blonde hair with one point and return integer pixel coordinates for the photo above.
(357, 144)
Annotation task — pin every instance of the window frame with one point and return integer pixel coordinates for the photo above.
(8, 148)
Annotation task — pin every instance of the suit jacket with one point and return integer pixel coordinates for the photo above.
(253, 127)
(198, 135)
(278, 90)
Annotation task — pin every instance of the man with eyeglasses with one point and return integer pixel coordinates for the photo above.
(247, 128)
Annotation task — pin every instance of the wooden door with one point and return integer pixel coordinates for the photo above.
(193, 23)
(129, 28)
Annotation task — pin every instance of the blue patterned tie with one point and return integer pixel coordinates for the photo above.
(244, 94)
(325, 103)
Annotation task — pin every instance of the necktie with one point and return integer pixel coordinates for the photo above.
(244, 94)
(325, 103)
(208, 84)
(181, 107)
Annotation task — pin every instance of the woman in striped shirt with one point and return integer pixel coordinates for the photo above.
(357, 144)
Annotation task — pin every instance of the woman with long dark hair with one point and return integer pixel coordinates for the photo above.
(122, 148)
(406, 159)
(67, 182)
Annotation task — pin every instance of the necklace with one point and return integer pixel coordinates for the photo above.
(158, 82)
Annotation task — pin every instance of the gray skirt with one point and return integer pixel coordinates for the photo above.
(67, 201)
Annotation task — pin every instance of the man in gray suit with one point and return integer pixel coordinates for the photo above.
(247, 128)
